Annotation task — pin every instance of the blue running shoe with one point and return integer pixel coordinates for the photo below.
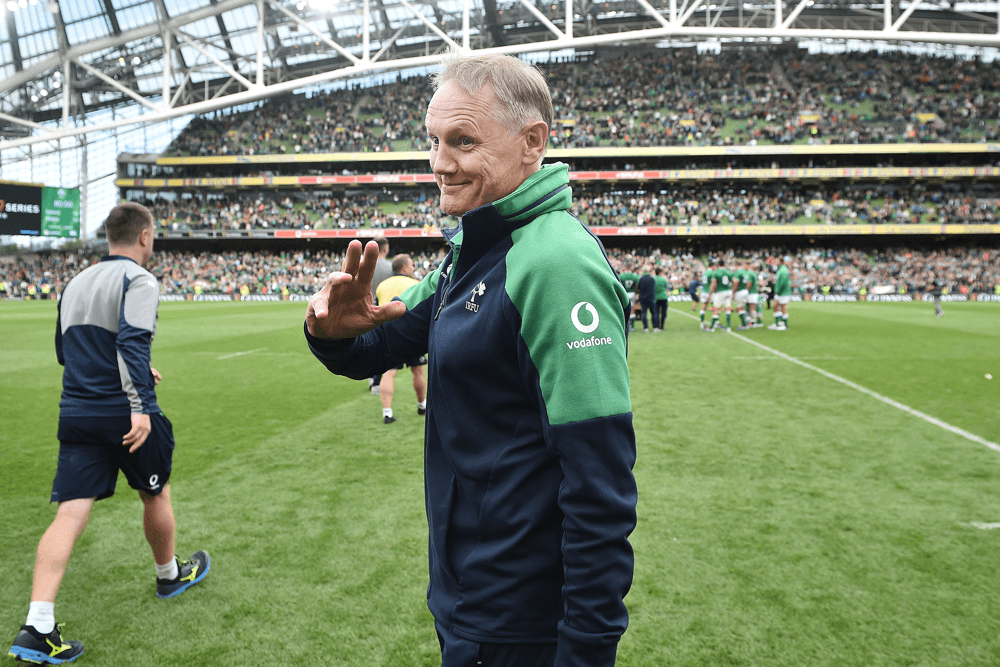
(189, 573)
(32, 646)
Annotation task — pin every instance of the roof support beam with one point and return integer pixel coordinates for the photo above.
(15, 46)
(225, 38)
(329, 42)
(109, 9)
(225, 68)
(173, 46)
(905, 15)
(655, 14)
(795, 13)
(430, 24)
(117, 86)
(80, 50)
(545, 19)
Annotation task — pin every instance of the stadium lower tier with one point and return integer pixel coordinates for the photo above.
(607, 205)
(271, 274)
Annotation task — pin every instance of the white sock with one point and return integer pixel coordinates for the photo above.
(422, 405)
(41, 615)
(386, 412)
(168, 571)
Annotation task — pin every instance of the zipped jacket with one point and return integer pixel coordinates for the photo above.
(529, 445)
(104, 333)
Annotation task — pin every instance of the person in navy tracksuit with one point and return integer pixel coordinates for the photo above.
(109, 420)
(529, 445)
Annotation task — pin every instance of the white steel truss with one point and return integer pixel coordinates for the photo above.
(202, 74)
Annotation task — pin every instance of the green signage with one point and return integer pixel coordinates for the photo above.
(60, 212)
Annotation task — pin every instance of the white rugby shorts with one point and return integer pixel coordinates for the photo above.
(723, 299)
(783, 300)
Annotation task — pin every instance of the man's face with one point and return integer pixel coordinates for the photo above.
(474, 159)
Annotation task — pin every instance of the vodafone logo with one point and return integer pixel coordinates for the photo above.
(575, 317)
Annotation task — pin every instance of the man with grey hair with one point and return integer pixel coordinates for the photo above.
(109, 420)
(529, 444)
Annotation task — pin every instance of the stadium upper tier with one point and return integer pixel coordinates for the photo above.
(957, 271)
(660, 97)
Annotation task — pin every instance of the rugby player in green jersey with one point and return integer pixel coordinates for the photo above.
(630, 281)
(782, 294)
(753, 296)
(741, 293)
(662, 296)
(720, 292)
(703, 296)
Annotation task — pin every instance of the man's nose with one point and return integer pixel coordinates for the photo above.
(443, 160)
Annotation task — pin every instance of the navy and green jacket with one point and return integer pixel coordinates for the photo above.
(529, 442)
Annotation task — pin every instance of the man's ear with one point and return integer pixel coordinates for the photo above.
(536, 137)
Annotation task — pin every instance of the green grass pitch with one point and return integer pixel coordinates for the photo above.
(784, 518)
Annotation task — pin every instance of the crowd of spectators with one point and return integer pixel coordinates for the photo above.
(274, 210)
(657, 97)
(300, 272)
(785, 204)
(598, 206)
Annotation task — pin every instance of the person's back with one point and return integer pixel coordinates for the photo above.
(393, 287)
(107, 320)
(647, 288)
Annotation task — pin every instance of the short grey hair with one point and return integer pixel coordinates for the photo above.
(522, 93)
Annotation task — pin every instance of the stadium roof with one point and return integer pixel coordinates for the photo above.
(63, 60)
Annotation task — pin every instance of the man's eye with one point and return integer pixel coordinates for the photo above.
(465, 141)
(434, 140)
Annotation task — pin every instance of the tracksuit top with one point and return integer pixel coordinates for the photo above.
(529, 445)
(104, 332)
(647, 288)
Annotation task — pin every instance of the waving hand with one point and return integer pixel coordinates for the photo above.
(344, 308)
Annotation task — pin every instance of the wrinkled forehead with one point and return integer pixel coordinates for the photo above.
(452, 102)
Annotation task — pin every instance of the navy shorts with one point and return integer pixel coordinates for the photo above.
(419, 361)
(460, 652)
(91, 453)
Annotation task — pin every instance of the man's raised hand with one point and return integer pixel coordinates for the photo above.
(344, 308)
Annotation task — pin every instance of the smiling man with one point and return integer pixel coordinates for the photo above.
(529, 442)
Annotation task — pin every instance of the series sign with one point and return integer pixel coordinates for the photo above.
(32, 210)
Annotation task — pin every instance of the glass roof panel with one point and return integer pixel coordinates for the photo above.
(137, 15)
(74, 10)
(86, 30)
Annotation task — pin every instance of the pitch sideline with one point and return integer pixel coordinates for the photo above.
(864, 390)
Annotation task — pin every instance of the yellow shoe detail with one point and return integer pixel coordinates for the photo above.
(56, 650)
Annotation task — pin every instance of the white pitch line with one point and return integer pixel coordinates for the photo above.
(769, 358)
(864, 390)
(984, 526)
(239, 354)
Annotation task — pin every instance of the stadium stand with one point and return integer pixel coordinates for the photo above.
(672, 97)
(957, 270)
(599, 204)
